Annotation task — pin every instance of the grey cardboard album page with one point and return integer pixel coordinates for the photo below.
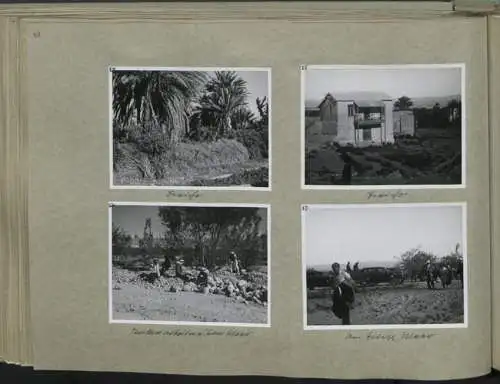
(494, 65)
(217, 192)
(15, 328)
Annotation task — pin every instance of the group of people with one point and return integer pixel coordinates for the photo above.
(160, 268)
(354, 268)
(442, 271)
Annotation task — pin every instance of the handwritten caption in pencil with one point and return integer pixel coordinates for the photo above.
(190, 195)
(391, 337)
(187, 332)
(393, 195)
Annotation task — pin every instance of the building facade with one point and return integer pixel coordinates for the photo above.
(358, 119)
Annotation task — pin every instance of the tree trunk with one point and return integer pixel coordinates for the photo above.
(138, 111)
(203, 258)
(224, 127)
(228, 126)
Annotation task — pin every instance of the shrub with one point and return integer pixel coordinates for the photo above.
(155, 160)
(255, 139)
(145, 146)
(217, 153)
(120, 133)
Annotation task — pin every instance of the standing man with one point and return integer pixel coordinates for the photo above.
(234, 263)
(347, 171)
(156, 267)
(179, 270)
(356, 266)
(429, 274)
(343, 294)
(348, 267)
(460, 271)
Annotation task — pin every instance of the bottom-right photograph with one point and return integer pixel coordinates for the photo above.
(369, 266)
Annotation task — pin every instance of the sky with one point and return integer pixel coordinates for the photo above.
(414, 82)
(257, 85)
(132, 219)
(378, 234)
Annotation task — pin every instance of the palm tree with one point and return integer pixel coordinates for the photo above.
(404, 102)
(242, 118)
(161, 97)
(226, 93)
(263, 108)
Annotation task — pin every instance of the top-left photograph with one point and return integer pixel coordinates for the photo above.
(190, 128)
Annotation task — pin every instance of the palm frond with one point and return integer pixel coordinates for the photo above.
(158, 96)
(225, 93)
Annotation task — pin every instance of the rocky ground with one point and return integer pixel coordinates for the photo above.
(225, 298)
(413, 304)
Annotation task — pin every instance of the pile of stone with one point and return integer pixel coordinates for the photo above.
(245, 287)
(123, 276)
(246, 291)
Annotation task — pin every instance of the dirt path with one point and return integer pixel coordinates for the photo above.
(321, 164)
(394, 306)
(131, 302)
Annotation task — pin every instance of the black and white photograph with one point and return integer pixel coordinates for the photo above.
(195, 264)
(190, 128)
(388, 126)
(370, 266)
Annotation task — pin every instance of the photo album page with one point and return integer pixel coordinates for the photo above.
(494, 85)
(254, 192)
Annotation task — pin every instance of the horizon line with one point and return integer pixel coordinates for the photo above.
(403, 94)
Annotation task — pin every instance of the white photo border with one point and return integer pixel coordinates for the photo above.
(463, 86)
(374, 327)
(112, 68)
(112, 204)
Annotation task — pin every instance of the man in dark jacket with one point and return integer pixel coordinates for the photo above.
(166, 265)
(348, 267)
(356, 266)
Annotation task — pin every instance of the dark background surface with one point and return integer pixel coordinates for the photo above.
(15, 374)
(189, 1)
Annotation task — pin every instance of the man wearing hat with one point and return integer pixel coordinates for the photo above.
(234, 263)
(179, 270)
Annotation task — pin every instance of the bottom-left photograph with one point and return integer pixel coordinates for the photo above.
(204, 264)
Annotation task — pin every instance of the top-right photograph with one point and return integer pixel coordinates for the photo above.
(391, 126)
